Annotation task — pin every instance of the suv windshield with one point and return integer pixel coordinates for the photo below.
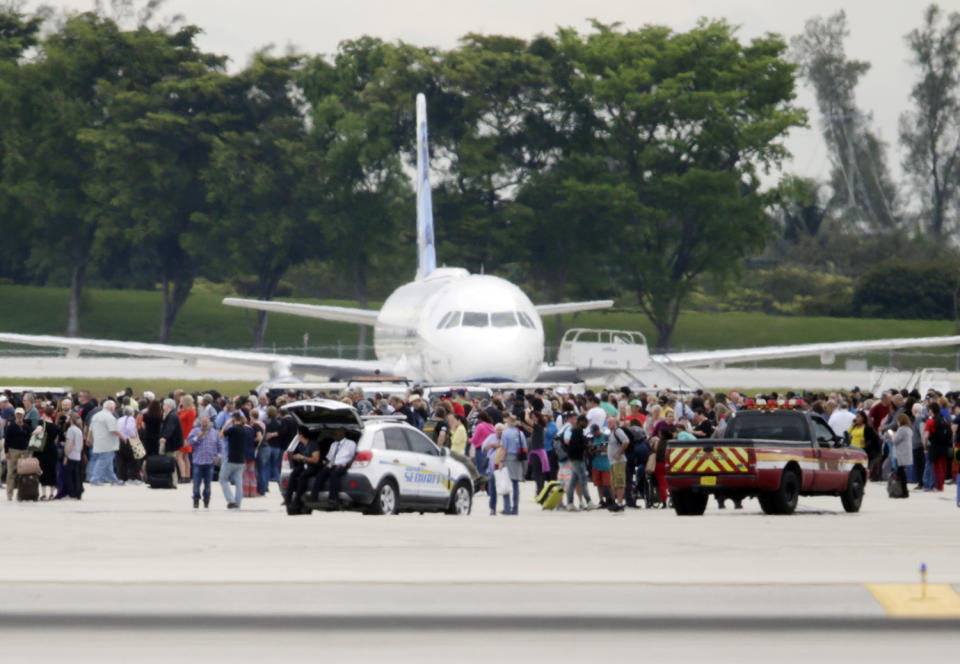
(769, 426)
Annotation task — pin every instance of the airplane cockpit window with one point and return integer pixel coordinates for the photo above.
(454, 320)
(443, 321)
(525, 320)
(476, 319)
(503, 319)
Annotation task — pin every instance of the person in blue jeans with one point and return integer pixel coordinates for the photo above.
(489, 448)
(232, 451)
(514, 440)
(205, 443)
(276, 439)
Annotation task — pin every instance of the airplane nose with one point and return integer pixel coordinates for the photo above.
(500, 354)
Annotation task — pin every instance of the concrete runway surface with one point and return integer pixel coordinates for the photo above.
(134, 572)
(41, 367)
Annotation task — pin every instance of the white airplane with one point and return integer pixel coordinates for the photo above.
(450, 326)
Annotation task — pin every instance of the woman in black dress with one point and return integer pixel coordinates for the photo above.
(48, 455)
(150, 428)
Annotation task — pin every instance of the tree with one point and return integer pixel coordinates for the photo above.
(50, 168)
(681, 123)
(162, 118)
(263, 184)
(863, 191)
(488, 126)
(930, 133)
(18, 34)
(368, 210)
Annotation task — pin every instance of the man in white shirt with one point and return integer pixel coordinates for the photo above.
(595, 414)
(840, 419)
(105, 436)
(342, 451)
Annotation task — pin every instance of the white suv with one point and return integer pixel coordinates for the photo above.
(396, 466)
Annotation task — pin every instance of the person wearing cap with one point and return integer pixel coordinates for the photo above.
(15, 447)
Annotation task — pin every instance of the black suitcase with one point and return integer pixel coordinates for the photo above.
(28, 487)
(161, 472)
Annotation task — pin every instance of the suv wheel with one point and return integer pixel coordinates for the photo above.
(460, 500)
(387, 500)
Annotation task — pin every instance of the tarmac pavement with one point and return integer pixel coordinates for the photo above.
(129, 566)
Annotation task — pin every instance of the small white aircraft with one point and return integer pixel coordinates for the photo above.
(450, 326)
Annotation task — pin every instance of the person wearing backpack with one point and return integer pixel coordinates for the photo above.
(940, 438)
(575, 445)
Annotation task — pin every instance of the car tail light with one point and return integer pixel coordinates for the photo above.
(363, 459)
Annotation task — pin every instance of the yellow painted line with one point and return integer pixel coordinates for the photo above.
(908, 600)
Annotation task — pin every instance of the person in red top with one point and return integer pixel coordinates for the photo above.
(453, 404)
(187, 413)
(880, 411)
(636, 414)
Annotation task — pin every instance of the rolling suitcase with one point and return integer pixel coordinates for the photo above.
(161, 472)
(551, 495)
(28, 488)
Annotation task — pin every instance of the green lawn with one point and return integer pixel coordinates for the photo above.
(204, 321)
(159, 386)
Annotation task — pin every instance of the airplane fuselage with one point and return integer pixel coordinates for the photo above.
(454, 326)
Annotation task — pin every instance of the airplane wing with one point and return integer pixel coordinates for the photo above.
(826, 351)
(341, 314)
(571, 307)
(278, 365)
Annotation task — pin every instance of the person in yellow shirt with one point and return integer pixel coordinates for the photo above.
(857, 430)
(458, 436)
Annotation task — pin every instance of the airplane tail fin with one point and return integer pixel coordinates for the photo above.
(426, 250)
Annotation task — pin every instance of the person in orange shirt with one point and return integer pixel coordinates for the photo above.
(188, 415)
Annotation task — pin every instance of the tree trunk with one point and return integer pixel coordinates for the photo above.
(266, 293)
(360, 292)
(261, 330)
(77, 276)
(172, 302)
(664, 335)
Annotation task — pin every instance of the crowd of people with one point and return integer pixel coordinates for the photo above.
(614, 440)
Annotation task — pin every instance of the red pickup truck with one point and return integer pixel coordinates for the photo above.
(775, 455)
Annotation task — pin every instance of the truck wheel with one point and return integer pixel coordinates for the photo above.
(766, 503)
(852, 497)
(785, 498)
(687, 503)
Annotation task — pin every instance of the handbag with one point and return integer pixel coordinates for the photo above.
(38, 441)
(501, 478)
(28, 466)
(139, 452)
(522, 454)
(894, 488)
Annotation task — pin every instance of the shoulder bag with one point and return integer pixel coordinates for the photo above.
(38, 441)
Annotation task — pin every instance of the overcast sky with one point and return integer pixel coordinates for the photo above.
(238, 27)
